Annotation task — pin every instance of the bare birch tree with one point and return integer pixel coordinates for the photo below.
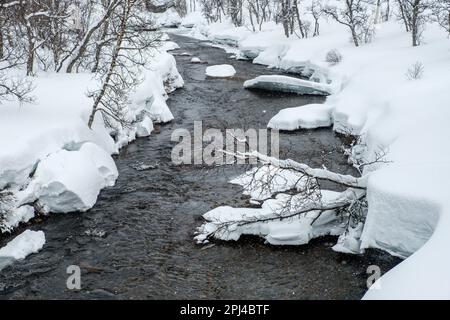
(356, 15)
(119, 74)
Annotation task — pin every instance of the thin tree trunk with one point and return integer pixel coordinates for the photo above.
(251, 19)
(415, 23)
(1, 43)
(402, 12)
(316, 27)
(355, 37)
(388, 11)
(284, 17)
(30, 53)
(83, 47)
(99, 47)
(112, 66)
(299, 20)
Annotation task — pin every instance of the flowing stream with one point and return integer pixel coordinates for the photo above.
(137, 242)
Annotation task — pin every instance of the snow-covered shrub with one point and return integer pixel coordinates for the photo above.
(415, 72)
(333, 57)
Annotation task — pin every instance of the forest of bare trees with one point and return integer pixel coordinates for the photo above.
(110, 38)
(358, 15)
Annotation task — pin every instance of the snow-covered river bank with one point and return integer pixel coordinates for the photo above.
(137, 241)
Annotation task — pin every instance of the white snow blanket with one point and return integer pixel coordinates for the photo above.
(289, 85)
(192, 19)
(409, 206)
(220, 71)
(23, 245)
(305, 117)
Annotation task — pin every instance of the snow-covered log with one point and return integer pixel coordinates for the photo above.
(345, 180)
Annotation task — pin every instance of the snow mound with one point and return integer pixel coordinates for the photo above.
(23, 245)
(145, 127)
(103, 162)
(305, 117)
(288, 85)
(69, 181)
(220, 71)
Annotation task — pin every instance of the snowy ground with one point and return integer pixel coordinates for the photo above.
(20, 247)
(409, 207)
(49, 158)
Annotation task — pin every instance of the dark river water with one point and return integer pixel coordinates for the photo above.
(149, 217)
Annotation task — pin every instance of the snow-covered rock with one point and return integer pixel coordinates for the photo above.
(104, 164)
(196, 60)
(17, 216)
(23, 245)
(288, 84)
(305, 117)
(350, 241)
(145, 127)
(68, 181)
(220, 71)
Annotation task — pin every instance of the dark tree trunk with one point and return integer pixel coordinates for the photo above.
(30, 52)
(1, 43)
(415, 23)
(112, 66)
(403, 14)
(299, 20)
